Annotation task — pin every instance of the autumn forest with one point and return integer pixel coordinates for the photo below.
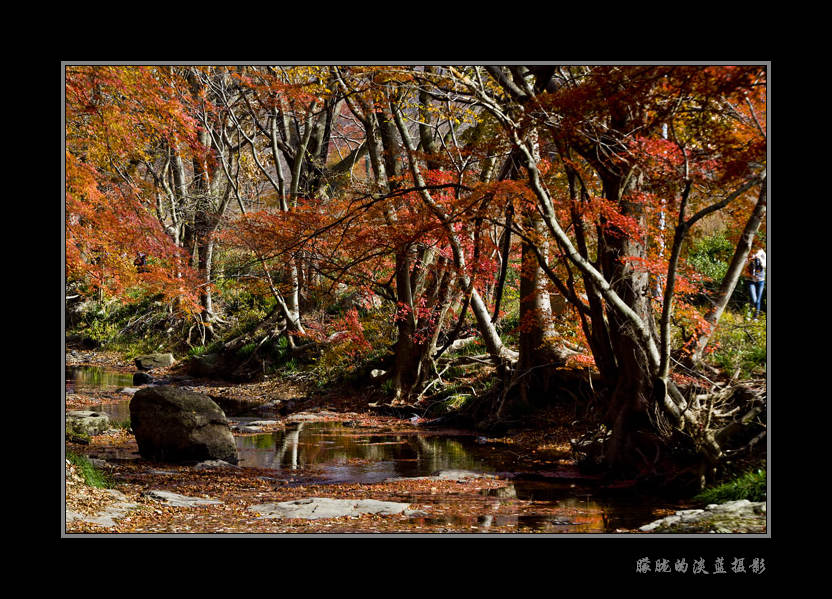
(551, 258)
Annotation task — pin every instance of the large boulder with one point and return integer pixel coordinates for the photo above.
(151, 361)
(175, 425)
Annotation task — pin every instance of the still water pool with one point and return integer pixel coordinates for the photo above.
(340, 452)
(327, 452)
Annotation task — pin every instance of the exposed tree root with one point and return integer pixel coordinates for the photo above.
(718, 431)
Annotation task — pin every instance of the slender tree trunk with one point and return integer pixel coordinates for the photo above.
(418, 333)
(732, 276)
(536, 347)
(406, 371)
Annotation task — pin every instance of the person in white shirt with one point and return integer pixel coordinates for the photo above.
(757, 280)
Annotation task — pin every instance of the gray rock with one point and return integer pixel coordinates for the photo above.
(741, 516)
(248, 429)
(262, 422)
(86, 422)
(316, 508)
(253, 426)
(175, 425)
(151, 361)
(177, 500)
(461, 475)
(311, 416)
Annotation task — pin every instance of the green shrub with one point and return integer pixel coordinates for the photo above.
(91, 475)
(125, 424)
(454, 372)
(740, 344)
(750, 486)
(246, 350)
(456, 401)
(710, 256)
(197, 350)
(290, 365)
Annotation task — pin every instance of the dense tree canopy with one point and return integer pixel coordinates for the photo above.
(433, 193)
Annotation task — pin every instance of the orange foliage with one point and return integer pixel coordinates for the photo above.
(114, 118)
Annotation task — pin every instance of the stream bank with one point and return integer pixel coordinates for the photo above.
(320, 449)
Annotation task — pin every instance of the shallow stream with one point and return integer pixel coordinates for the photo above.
(308, 451)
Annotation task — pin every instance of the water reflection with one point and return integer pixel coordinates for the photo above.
(81, 378)
(330, 452)
(337, 453)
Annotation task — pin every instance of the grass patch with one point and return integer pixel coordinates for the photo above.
(91, 475)
(246, 350)
(750, 486)
(197, 350)
(123, 424)
(740, 344)
(387, 387)
(456, 401)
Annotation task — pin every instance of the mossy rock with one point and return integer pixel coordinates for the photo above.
(151, 361)
(86, 423)
(741, 516)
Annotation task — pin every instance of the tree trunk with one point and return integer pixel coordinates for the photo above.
(407, 360)
(418, 333)
(732, 276)
(536, 347)
(627, 411)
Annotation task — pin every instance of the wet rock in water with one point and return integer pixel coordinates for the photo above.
(142, 378)
(177, 500)
(461, 475)
(86, 422)
(176, 425)
(740, 516)
(248, 429)
(316, 508)
(151, 361)
(321, 416)
(262, 423)
(255, 426)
